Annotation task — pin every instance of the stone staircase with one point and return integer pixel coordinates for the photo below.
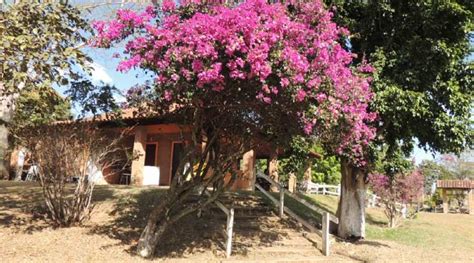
(261, 236)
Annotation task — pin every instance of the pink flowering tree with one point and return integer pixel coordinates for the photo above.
(397, 192)
(237, 73)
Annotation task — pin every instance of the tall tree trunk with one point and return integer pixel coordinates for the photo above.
(351, 209)
(4, 174)
(6, 111)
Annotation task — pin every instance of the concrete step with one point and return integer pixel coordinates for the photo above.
(242, 217)
(255, 226)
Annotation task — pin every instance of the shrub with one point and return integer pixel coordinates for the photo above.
(71, 153)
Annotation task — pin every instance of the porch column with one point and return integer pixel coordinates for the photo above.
(248, 163)
(444, 195)
(307, 174)
(273, 170)
(138, 162)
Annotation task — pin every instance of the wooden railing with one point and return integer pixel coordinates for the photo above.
(327, 218)
(229, 226)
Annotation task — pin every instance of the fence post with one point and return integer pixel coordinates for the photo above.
(326, 239)
(230, 224)
(282, 201)
(404, 211)
(324, 190)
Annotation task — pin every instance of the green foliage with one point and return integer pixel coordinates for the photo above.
(36, 108)
(297, 159)
(93, 98)
(423, 83)
(433, 171)
(39, 46)
(324, 170)
(392, 161)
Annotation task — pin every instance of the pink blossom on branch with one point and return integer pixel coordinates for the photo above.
(282, 58)
(393, 192)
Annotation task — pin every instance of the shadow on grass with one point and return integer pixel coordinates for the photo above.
(23, 209)
(371, 243)
(375, 221)
(190, 235)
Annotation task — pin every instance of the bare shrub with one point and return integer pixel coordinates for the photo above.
(68, 157)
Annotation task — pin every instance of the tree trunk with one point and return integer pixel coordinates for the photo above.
(392, 223)
(351, 209)
(154, 230)
(5, 116)
(3, 150)
(168, 212)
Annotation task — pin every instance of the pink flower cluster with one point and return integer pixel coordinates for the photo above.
(257, 45)
(402, 189)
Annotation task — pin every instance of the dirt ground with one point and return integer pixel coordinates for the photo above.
(120, 213)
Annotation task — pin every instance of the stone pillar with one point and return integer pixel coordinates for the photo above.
(292, 183)
(273, 170)
(138, 162)
(248, 163)
(444, 195)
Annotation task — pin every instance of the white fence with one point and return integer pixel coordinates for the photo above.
(324, 189)
(372, 200)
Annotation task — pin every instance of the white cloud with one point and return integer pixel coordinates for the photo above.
(100, 74)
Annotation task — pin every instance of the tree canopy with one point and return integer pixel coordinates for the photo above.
(40, 46)
(423, 85)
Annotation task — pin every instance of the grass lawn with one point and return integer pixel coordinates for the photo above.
(428, 232)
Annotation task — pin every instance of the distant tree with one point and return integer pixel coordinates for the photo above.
(93, 99)
(432, 172)
(396, 191)
(459, 167)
